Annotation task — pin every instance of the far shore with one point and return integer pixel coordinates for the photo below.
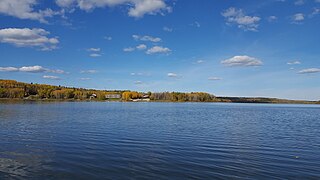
(162, 101)
(11, 90)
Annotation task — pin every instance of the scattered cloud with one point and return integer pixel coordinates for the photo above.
(239, 18)
(172, 75)
(214, 78)
(24, 9)
(167, 29)
(26, 37)
(242, 61)
(94, 49)
(138, 82)
(109, 38)
(200, 61)
(138, 47)
(85, 79)
(158, 50)
(146, 38)
(129, 49)
(95, 55)
(196, 24)
(309, 71)
(141, 47)
(140, 74)
(294, 62)
(31, 69)
(57, 71)
(51, 77)
(272, 18)
(137, 8)
(299, 2)
(298, 18)
(8, 69)
(91, 71)
(95, 52)
(315, 12)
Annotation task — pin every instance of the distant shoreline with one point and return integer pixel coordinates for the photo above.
(20, 91)
(79, 100)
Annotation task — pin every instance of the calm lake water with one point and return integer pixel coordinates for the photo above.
(94, 140)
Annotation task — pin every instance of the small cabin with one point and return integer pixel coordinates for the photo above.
(93, 96)
(113, 96)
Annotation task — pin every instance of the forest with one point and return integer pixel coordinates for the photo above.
(11, 89)
(18, 90)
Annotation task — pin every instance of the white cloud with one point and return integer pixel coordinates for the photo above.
(109, 38)
(138, 82)
(272, 18)
(142, 7)
(316, 11)
(158, 49)
(51, 77)
(146, 38)
(294, 62)
(317, 1)
(57, 71)
(95, 55)
(129, 49)
(299, 2)
(24, 9)
(137, 8)
(140, 74)
(39, 69)
(298, 17)
(309, 71)
(95, 52)
(167, 29)
(31, 69)
(141, 47)
(214, 78)
(94, 49)
(26, 37)
(172, 75)
(242, 61)
(196, 24)
(8, 69)
(200, 61)
(85, 79)
(91, 71)
(239, 18)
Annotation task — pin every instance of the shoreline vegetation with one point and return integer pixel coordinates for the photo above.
(14, 90)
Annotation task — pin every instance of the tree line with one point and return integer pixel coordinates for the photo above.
(19, 90)
(183, 97)
(14, 89)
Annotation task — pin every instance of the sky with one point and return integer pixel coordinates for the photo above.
(261, 48)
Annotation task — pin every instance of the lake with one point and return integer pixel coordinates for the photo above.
(114, 140)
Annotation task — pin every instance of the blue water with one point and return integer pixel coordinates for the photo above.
(94, 140)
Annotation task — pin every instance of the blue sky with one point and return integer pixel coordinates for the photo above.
(264, 48)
